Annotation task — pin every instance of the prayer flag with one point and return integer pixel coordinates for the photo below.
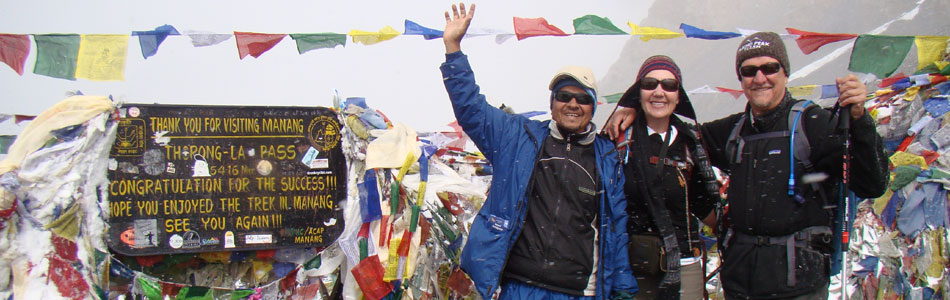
(929, 49)
(649, 33)
(13, 50)
(311, 41)
(150, 40)
(195, 293)
(21, 118)
(204, 38)
(150, 289)
(256, 44)
(891, 80)
(734, 93)
(369, 276)
(705, 89)
(693, 32)
(879, 54)
(102, 57)
(415, 29)
(801, 91)
(614, 98)
(369, 38)
(829, 91)
(808, 41)
(595, 25)
(56, 55)
(530, 27)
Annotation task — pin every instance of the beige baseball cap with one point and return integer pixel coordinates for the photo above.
(583, 75)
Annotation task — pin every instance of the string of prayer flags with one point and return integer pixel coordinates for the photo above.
(697, 33)
(311, 41)
(879, 54)
(56, 55)
(255, 44)
(596, 25)
(205, 38)
(412, 28)
(808, 41)
(370, 38)
(930, 49)
(102, 57)
(891, 80)
(531, 27)
(150, 40)
(14, 48)
(649, 33)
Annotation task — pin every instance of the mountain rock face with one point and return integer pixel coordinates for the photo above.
(712, 62)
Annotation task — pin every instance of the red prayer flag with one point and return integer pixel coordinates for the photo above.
(734, 93)
(529, 27)
(13, 50)
(886, 82)
(170, 289)
(256, 44)
(369, 276)
(21, 118)
(811, 41)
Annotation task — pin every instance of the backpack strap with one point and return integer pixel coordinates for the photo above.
(735, 143)
(798, 145)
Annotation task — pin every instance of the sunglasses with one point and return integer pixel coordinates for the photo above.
(582, 98)
(767, 69)
(650, 83)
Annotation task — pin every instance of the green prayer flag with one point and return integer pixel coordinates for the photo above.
(241, 294)
(313, 263)
(879, 54)
(5, 142)
(56, 55)
(591, 24)
(310, 41)
(151, 289)
(613, 98)
(195, 293)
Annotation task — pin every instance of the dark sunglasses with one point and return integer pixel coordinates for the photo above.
(582, 98)
(767, 69)
(650, 83)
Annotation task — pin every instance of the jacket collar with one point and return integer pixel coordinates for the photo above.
(584, 138)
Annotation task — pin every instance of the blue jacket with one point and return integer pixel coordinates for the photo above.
(512, 144)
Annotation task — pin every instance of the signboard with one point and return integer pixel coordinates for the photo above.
(223, 178)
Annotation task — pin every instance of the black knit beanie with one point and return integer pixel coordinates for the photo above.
(762, 44)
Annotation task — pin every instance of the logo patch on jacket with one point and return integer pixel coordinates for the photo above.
(775, 152)
(587, 191)
(497, 223)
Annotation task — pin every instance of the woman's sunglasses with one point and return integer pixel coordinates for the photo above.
(582, 98)
(767, 69)
(650, 83)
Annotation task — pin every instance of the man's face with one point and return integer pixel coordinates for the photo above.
(764, 92)
(570, 115)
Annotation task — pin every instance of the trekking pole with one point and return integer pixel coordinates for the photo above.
(845, 124)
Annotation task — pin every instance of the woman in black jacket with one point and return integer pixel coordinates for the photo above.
(670, 185)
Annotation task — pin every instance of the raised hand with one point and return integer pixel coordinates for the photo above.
(456, 25)
(852, 91)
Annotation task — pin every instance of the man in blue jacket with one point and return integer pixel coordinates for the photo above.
(554, 224)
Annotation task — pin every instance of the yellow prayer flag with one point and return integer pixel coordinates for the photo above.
(802, 91)
(911, 93)
(881, 202)
(941, 64)
(903, 158)
(929, 49)
(649, 33)
(392, 268)
(102, 57)
(369, 38)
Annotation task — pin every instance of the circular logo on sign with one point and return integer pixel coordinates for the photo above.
(176, 241)
(324, 133)
(134, 112)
